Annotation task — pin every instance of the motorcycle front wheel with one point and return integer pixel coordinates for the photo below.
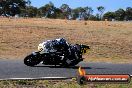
(31, 60)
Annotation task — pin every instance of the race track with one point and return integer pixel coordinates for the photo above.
(17, 69)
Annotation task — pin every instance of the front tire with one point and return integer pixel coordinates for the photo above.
(31, 60)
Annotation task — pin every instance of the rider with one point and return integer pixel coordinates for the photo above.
(54, 45)
(59, 45)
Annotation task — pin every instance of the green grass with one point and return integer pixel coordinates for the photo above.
(56, 84)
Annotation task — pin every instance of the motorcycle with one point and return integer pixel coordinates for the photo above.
(61, 58)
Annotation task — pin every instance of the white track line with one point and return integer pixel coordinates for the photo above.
(44, 78)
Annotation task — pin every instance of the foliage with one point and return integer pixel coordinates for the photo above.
(66, 10)
(24, 9)
(101, 9)
(109, 16)
(120, 14)
(32, 11)
(11, 7)
(128, 13)
(49, 11)
(57, 84)
(82, 13)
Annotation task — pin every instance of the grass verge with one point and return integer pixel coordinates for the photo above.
(56, 84)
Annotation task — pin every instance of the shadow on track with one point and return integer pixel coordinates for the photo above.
(71, 67)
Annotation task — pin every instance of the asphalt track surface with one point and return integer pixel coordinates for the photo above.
(17, 69)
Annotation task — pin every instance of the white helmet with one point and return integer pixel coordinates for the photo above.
(40, 47)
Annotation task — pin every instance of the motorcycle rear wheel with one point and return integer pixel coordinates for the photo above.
(67, 63)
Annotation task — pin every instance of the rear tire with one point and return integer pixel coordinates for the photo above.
(64, 64)
(68, 63)
(74, 63)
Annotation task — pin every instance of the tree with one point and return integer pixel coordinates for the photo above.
(28, 3)
(109, 16)
(75, 13)
(48, 10)
(97, 17)
(128, 13)
(32, 11)
(88, 12)
(78, 13)
(120, 14)
(101, 9)
(92, 17)
(66, 10)
(12, 7)
(58, 13)
(29, 11)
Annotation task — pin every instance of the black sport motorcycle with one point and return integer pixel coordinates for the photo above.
(59, 58)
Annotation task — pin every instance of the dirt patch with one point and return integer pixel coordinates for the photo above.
(109, 41)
